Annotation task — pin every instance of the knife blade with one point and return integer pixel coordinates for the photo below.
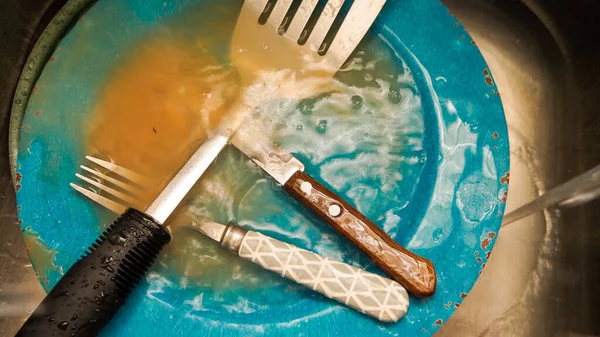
(371, 294)
(414, 272)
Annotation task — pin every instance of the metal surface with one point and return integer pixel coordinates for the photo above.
(170, 197)
(280, 165)
(211, 229)
(543, 277)
(233, 237)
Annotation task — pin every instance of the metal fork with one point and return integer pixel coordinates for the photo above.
(376, 296)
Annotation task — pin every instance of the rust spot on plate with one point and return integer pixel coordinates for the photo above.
(504, 197)
(487, 255)
(495, 135)
(462, 37)
(37, 113)
(476, 253)
(492, 235)
(17, 187)
(456, 305)
(439, 322)
(482, 266)
(28, 228)
(486, 72)
(455, 24)
(19, 222)
(479, 260)
(489, 81)
(474, 43)
(18, 177)
(506, 178)
(485, 243)
(52, 59)
(423, 330)
(446, 306)
(463, 295)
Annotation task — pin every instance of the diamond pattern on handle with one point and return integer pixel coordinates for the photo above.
(368, 293)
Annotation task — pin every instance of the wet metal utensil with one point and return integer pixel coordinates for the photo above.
(371, 294)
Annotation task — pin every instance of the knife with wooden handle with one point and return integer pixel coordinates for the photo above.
(415, 273)
(371, 294)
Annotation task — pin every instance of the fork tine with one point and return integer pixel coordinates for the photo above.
(301, 18)
(330, 12)
(278, 13)
(357, 22)
(120, 184)
(104, 202)
(105, 188)
(133, 176)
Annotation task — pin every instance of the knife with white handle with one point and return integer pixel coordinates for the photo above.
(371, 294)
(415, 273)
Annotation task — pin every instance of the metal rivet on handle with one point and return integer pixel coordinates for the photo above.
(306, 187)
(335, 210)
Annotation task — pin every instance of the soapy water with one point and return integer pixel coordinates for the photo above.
(360, 140)
(363, 138)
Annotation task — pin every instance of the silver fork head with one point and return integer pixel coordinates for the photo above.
(313, 30)
(115, 188)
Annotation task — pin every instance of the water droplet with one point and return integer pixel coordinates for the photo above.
(299, 127)
(109, 269)
(96, 286)
(367, 134)
(63, 325)
(322, 126)
(116, 239)
(357, 102)
(422, 158)
(18, 101)
(75, 317)
(306, 106)
(394, 95)
(51, 319)
(437, 234)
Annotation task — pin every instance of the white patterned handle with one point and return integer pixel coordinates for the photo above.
(376, 296)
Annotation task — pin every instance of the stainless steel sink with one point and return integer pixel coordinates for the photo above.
(543, 277)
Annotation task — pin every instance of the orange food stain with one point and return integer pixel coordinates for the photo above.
(156, 109)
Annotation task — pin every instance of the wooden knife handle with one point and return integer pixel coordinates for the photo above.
(415, 273)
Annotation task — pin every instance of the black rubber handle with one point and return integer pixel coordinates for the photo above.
(90, 293)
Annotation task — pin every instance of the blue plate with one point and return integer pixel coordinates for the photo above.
(442, 196)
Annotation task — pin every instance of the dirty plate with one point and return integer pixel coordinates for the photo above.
(436, 182)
